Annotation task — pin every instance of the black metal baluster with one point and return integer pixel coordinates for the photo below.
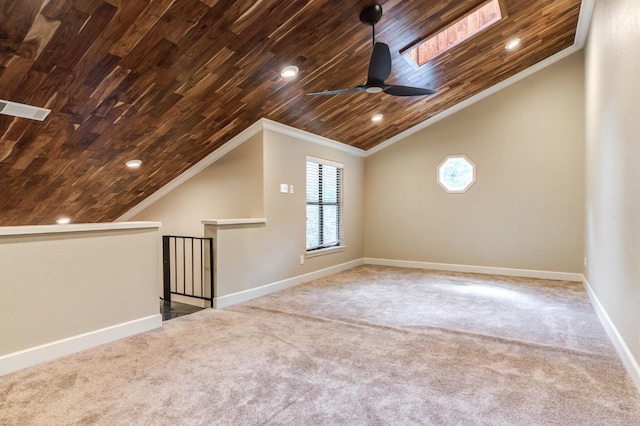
(166, 269)
(192, 266)
(202, 268)
(168, 274)
(212, 295)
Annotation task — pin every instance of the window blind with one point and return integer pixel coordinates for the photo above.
(324, 204)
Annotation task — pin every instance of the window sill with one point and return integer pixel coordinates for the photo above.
(322, 252)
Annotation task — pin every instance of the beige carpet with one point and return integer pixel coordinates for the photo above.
(369, 346)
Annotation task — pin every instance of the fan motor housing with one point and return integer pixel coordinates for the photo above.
(371, 14)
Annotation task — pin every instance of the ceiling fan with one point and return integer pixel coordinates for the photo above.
(379, 65)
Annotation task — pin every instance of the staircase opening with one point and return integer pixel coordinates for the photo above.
(187, 265)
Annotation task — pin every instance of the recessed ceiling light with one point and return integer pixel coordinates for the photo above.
(377, 118)
(133, 164)
(290, 71)
(512, 44)
(63, 221)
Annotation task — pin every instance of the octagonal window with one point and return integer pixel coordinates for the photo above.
(456, 174)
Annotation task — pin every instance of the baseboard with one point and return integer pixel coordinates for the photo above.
(244, 296)
(628, 360)
(189, 301)
(47, 352)
(526, 273)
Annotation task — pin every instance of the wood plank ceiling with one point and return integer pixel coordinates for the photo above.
(169, 81)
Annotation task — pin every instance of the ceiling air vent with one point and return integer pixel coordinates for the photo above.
(24, 111)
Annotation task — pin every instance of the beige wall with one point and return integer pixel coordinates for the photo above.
(250, 257)
(57, 286)
(247, 181)
(525, 210)
(229, 188)
(612, 158)
(285, 239)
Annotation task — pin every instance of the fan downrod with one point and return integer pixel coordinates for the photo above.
(379, 65)
(370, 15)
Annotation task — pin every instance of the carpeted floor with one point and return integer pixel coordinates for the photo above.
(369, 346)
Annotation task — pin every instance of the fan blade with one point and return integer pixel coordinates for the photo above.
(337, 92)
(408, 91)
(380, 64)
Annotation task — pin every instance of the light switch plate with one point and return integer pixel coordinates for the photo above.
(284, 188)
(290, 189)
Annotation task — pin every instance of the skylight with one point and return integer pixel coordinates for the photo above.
(463, 29)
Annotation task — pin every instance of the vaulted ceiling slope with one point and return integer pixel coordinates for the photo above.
(169, 81)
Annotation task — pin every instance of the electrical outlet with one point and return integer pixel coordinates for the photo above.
(302, 259)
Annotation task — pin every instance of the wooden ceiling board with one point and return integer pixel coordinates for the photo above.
(169, 81)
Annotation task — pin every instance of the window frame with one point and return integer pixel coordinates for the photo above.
(444, 186)
(323, 248)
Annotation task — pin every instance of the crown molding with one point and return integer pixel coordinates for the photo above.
(249, 132)
(584, 22)
(582, 30)
(284, 129)
(236, 141)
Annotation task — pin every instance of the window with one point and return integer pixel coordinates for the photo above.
(456, 174)
(324, 204)
(463, 29)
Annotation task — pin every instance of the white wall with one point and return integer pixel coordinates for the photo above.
(525, 209)
(612, 164)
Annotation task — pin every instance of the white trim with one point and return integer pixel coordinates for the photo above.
(582, 30)
(284, 129)
(243, 221)
(618, 342)
(456, 191)
(80, 227)
(236, 141)
(239, 139)
(47, 352)
(325, 162)
(246, 295)
(584, 22)
(321, 252)
(472, 100)
(510, 272)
